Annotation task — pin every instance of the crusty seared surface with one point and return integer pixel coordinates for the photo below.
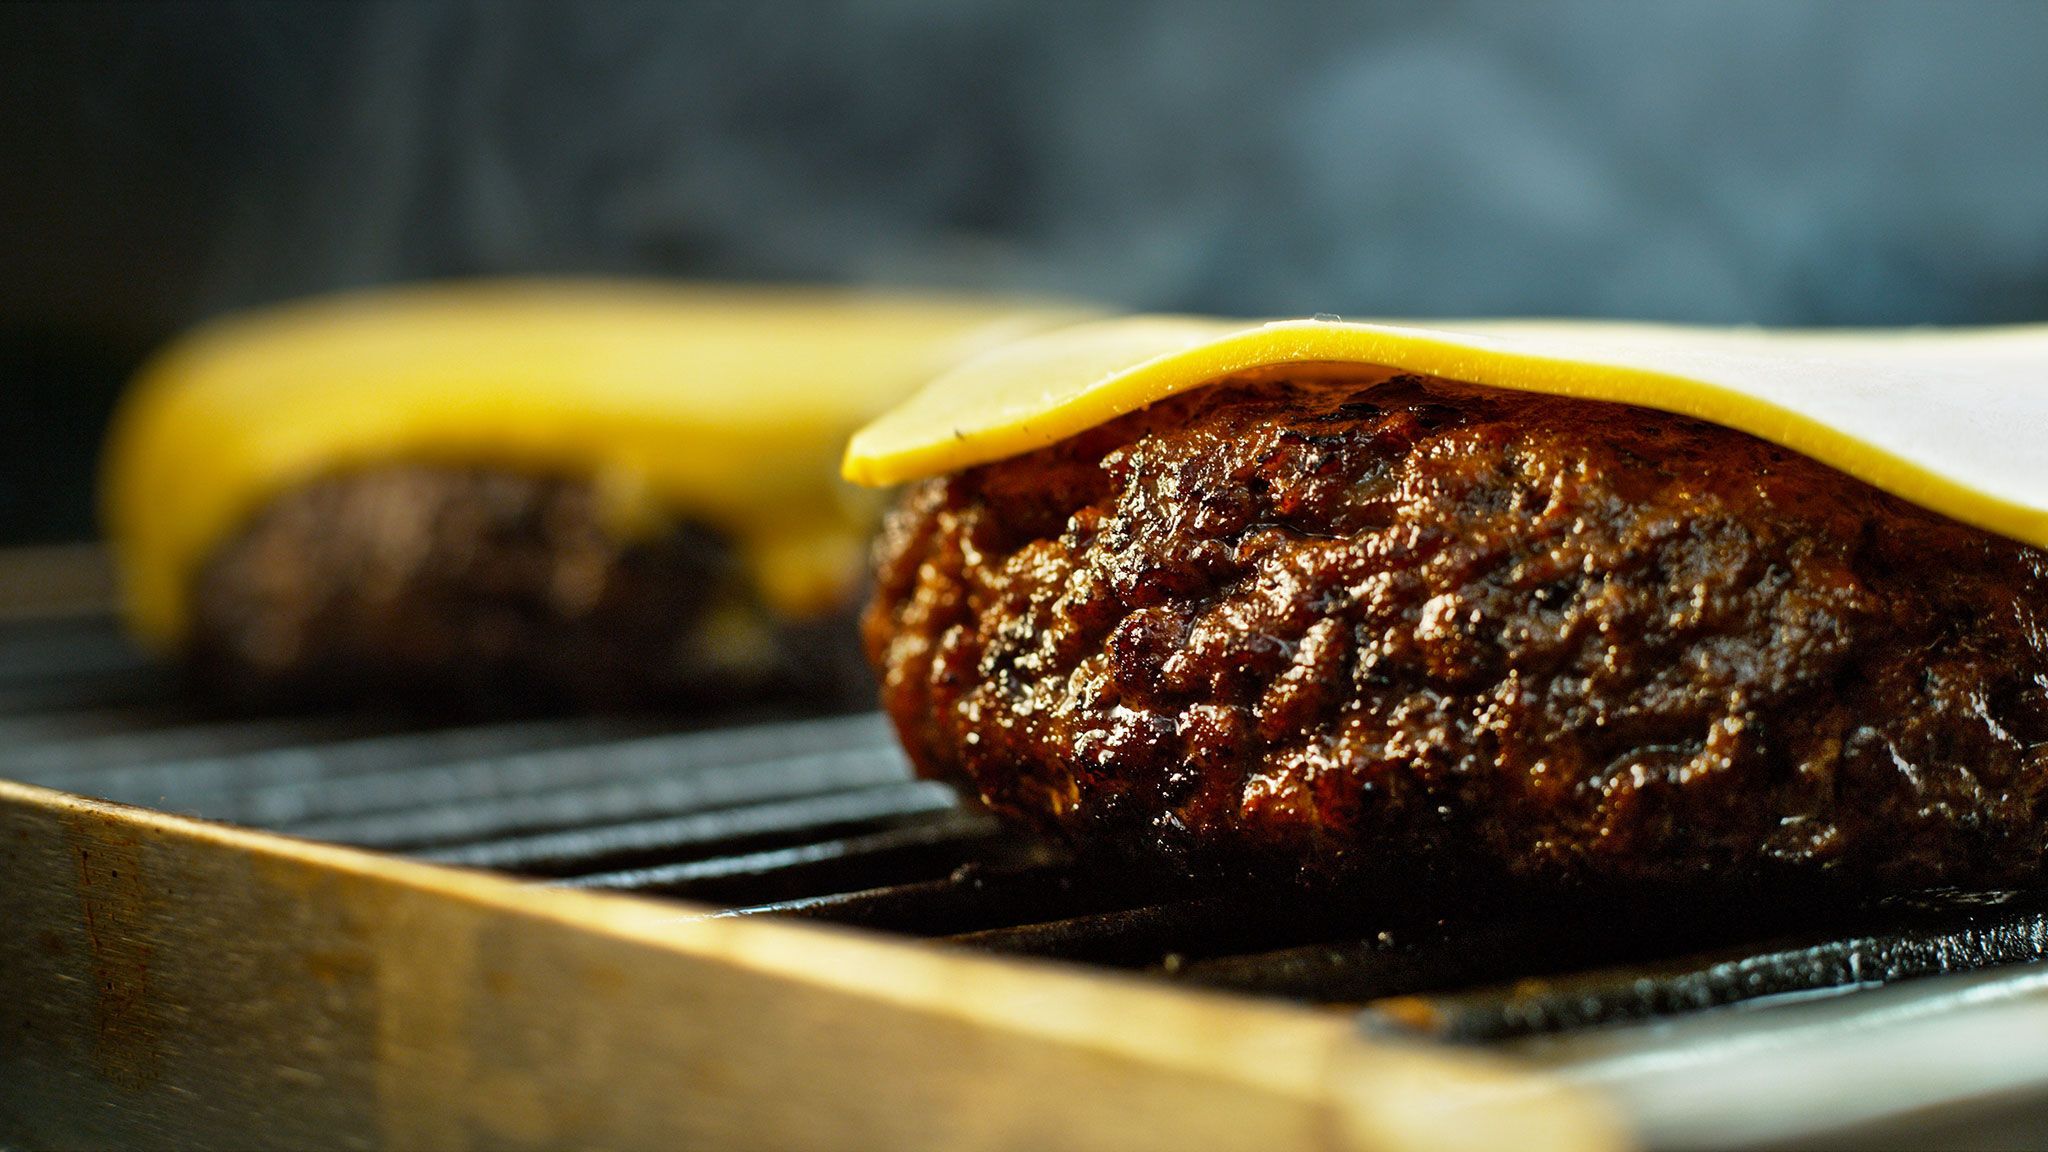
(489, 589)
(1328, 627)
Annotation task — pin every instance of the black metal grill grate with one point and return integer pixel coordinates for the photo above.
(821, 819)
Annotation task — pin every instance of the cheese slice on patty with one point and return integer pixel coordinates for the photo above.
(1955, 420)
(722, 405)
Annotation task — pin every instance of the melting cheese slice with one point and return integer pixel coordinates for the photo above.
(719, 404)
(1955, 420)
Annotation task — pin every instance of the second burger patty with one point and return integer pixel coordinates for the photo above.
(1323, 626)
(490, 589)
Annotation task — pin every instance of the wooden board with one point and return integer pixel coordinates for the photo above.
(171, 983)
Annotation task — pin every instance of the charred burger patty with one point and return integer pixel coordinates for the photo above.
(1322, 625)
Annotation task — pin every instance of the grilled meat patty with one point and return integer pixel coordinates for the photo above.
(488, 588)
(1325, 626)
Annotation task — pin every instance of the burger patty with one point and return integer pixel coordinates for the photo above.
(1326, 626)
(489, 588)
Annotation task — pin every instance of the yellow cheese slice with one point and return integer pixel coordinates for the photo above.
(724, 405)
(1955, 420)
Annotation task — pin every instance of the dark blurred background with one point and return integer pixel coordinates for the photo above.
(1770, 161)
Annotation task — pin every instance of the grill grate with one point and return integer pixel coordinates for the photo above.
(821, 819)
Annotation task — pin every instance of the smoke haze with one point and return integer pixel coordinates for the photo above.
(1771, 162)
